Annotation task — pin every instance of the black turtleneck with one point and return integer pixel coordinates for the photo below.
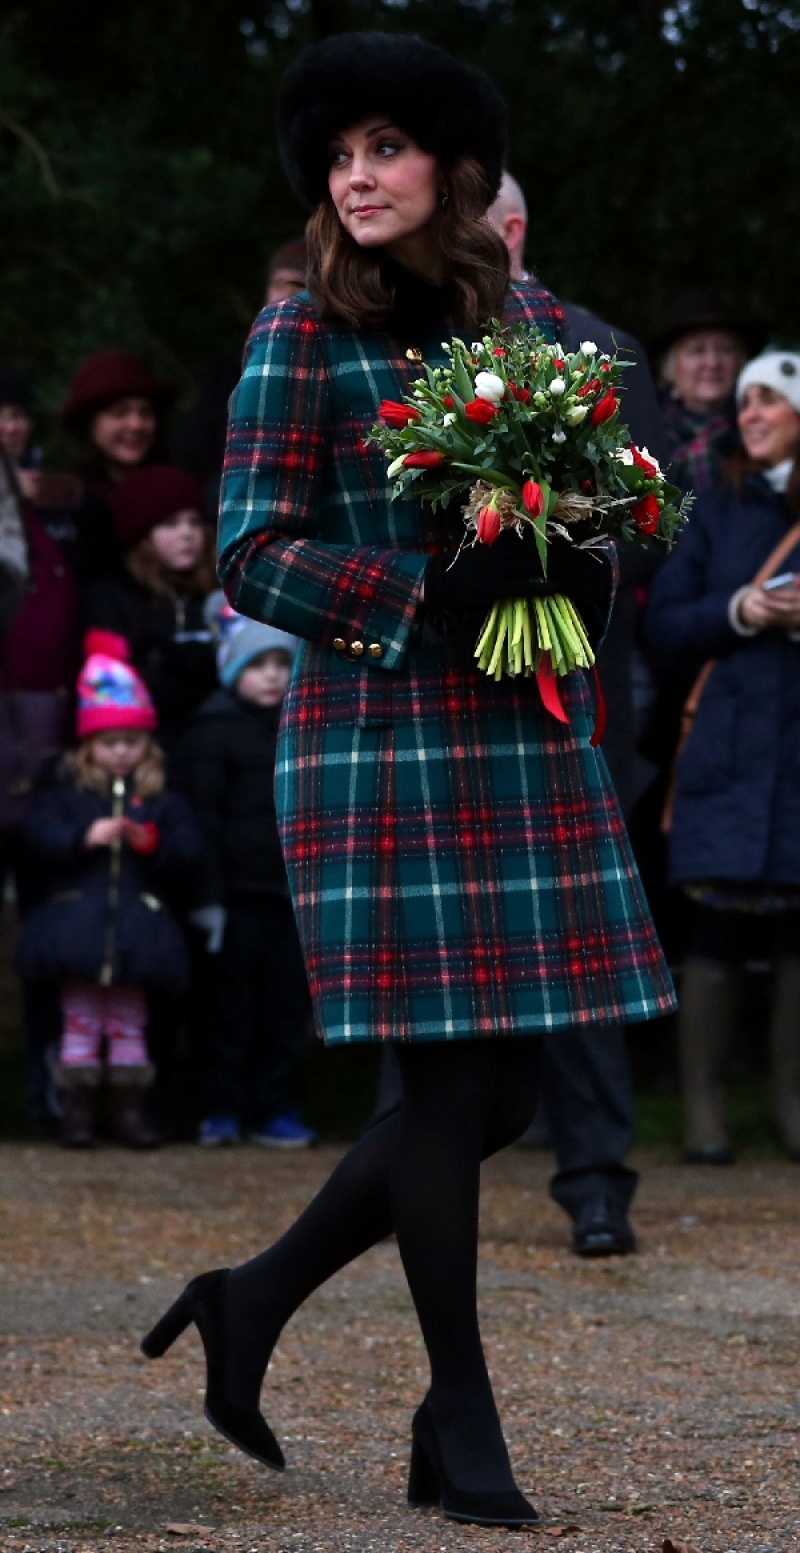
(420, 307)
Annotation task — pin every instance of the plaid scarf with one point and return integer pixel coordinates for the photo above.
(697, 443)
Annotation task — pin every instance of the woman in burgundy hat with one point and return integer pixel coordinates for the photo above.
(113, 415)
(155, 596)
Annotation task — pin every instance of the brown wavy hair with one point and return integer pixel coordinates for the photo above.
(143, 564)
(148, 777)
(350, 283)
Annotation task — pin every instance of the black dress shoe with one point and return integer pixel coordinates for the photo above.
(428, 1484)
(202, 1302)
(709, 1154)
(601, 1229)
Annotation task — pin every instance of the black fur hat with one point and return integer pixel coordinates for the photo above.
(450, 109)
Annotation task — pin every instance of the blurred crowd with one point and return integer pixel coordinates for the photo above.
(138, 720)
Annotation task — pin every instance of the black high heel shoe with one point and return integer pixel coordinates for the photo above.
(428, 1484)
(202, 1303)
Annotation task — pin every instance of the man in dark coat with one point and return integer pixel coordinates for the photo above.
(586, 1087)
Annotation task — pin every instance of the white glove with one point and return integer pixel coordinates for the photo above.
(210, 920)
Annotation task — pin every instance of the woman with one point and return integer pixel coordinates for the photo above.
(735, 836)
(114, 417)
(156, 597)
(441, 905)
(697, 357)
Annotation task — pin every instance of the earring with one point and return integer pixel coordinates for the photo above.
(444, 197)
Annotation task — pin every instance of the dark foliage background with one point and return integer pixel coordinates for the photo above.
(142, 194)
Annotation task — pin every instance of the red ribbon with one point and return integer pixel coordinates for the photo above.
(551, 699)
(549, 691)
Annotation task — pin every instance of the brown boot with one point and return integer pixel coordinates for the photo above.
(784, 1041)
(77, 1088)
(129, 1086)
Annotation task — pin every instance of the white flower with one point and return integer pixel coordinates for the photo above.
(558, 386)
(574, 416)
(653, 460)
(448, 419)
(623, 455)
(477, 347)
(489, 386)
(395, 466)
(559, 436)
(588, 347)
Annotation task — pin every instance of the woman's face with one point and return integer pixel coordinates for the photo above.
(124, 432)
(15, 429)
(385, 189)
(704, 366)
(769, 427)
(179, 541)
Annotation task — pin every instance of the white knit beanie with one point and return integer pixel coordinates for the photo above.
(778, 370)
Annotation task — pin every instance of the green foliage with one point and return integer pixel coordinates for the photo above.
(142, 192)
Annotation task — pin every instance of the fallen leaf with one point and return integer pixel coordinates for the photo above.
(678, 1547)
(560, 1531)
(185, 1529)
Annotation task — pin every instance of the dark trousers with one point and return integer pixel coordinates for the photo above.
(588, 1101)
(254, 1049)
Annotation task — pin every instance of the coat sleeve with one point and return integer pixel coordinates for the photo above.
(205, 779)
(274, 562)
(686, 622)
(57, 824)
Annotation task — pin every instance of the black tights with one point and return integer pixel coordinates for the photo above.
(416, 1173)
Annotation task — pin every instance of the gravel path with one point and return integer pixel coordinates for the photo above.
(645, 1398)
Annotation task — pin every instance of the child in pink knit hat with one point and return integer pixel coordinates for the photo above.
(118, 845)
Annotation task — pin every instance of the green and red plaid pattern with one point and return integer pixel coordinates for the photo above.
(457, 859)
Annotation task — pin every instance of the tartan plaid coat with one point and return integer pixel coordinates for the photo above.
(457, 859)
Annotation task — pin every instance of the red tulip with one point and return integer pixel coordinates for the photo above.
(499, 351)
(605, 408)
(480, 411)
(645, 514)
(533, 498)
(423, 460)
(589, 388)
(522, 394)
(488, 525)
(449, 402)
(397, 415)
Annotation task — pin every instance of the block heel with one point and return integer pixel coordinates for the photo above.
(172, 1324)
(423, 1482)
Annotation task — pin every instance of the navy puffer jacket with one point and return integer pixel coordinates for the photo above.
(90, 921)
(737, 796)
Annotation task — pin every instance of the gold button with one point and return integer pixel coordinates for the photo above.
(375, 650)
(339, 643)
(356, 649)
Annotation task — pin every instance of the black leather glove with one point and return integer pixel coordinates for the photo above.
(479, 574)
(584, 575)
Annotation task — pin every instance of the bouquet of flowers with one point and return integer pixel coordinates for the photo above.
(528, 434)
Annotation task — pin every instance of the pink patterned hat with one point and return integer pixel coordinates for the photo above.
(110, 692)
